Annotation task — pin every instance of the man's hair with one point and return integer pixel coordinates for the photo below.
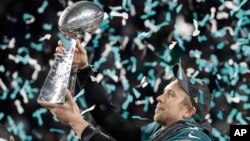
(187, 101)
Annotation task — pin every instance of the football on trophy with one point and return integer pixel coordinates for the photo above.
(80, 17)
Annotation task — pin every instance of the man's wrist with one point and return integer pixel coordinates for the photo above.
(83, 67)
(79, 125)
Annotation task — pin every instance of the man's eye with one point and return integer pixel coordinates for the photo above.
(171, 93)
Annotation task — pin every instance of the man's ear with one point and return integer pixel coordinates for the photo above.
(191, 111)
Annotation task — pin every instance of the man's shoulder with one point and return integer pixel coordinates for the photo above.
(151, 127)
(192, 133)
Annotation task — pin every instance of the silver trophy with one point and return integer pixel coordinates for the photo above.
(74, 22)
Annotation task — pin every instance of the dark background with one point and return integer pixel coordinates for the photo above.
(218, 56)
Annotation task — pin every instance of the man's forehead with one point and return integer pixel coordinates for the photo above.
(171, 85)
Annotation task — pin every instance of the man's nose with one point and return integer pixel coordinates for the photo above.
(159, 98)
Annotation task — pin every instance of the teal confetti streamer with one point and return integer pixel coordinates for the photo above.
(201, 97)
(202, 38)
(240, 119)
(244, 88)
(180, 42)
(27, 36)
(216, 133)
(231, 115)
(204, 21)
(66, 42)
(6, 40)
(178, 9)
(54, 130)
(195, 53)
(125, 114)
(219, 33)
(98, 3)
(37, 114)
(47, 26)
(246, 106)
(18, 129)
(98, 63)
(139, 117)
(246, 50)
(71, 136)
(43, 7)
(82, 102)
(4, 95)
(126, 103)
(109, 87)
(168, 17)
(136, 93)
(172, 5)
(139, 77)
(96, 40)
(220, 46)
(14, 93)
(222, 1)
(134, 62)
(79, 94)
(25, 58)
(3, 47)
(146, 105)
(220, 115)
(30, 91)
(27, 16)
(1, 115)
(242, 3)
(167, 54)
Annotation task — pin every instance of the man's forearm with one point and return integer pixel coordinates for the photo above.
(104, 113)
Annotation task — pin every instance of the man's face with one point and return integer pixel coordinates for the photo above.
(170, 107)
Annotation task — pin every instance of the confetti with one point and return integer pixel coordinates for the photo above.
(135, 47)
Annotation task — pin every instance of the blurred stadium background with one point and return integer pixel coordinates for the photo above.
(138, 39)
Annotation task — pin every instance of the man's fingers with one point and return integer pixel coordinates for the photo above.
(79, 46)
(60, 43)
(69, 97)
(47, 104)
(59, 49)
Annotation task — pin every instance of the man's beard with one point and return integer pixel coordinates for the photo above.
(160, 119)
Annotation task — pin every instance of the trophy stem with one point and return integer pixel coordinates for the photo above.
(72, 79)
(56, 83)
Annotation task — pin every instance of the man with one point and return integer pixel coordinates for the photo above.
(179, 114)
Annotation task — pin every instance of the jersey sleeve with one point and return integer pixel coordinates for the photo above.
(104, 113)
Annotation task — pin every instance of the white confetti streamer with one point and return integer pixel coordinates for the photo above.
(196, 31)
(151, 47)
(12, 43)
(45, 37)
(222, 15)
(116, 8)
(24, 95)
(19, 107)
(157, 83)
(151, 26)
(124, 42)
(2, 85)
(172, 45)
(87, 110)
(124, 15)
(231, 5)
(140, 45)
(37, 67)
